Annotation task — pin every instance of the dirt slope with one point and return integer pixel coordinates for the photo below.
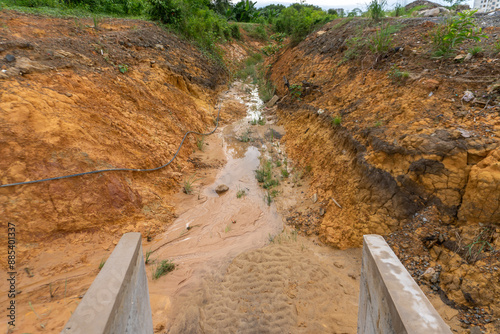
(406, 149)
(66, 108)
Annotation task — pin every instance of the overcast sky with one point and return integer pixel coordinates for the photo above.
(346, 4)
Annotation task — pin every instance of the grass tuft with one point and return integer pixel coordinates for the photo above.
(163, 268)
(337, 120)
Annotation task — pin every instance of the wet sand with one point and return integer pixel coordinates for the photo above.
(239, 268)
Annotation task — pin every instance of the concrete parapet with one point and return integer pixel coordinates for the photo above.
(390, 301)
(118, 300)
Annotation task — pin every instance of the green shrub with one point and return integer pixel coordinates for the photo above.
(446, 37)
(123, 68)
(37, 3)
(375, 10)
(399, 10)
(270, 49)
(381, 41)
(298, 21)
(296, 91)
(194, 20)
(261, 175)
(235, 31)
(266, 91)
(165, 11)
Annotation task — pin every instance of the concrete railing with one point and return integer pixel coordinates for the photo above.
(390, 301)
(118, 300)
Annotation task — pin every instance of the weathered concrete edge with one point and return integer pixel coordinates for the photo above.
(118, 299)
(390, 297)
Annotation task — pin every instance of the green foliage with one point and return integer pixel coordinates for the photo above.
(81, 7)
(163, 268)
(381, 41)
(245, 138)
(200, 143)
(337, 120)
(260, 175)
(261, 121)
(342, 23)
(254, 30)
(188, 184)
(479, 244)
(284, 237)
(446, 37)
(296, 91)
(235, 31)
(497, 46)
(96, 19)
(245, 11)
(396, 75)
(354, 46)
(266, 90)
(194, 20)
(375, 9)
(264, 173)
(355, 12)
(270, 183)
(260, 32)
(278, 37)
(241, 193)
(123, 68)
(272, 48)
(268, 197)
(475, 50)
(278, 163)
(284, 173)
(148, 255)
(101, 264)
(299, 20)
(165, 11)
(399, 10)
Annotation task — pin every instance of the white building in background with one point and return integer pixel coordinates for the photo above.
(486, 5)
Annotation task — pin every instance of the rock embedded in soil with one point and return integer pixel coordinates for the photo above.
(221, 188)
(315, 198)
(10, 58)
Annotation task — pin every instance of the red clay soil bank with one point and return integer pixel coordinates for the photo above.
(66, 107)
(403, 146)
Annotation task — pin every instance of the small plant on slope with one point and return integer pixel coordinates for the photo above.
(188, 184)
(163, 268)
(446, 37)
(336, 121)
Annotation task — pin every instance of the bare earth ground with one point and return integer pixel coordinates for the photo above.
(411, 159)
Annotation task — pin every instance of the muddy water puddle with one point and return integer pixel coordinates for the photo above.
(239, 269)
